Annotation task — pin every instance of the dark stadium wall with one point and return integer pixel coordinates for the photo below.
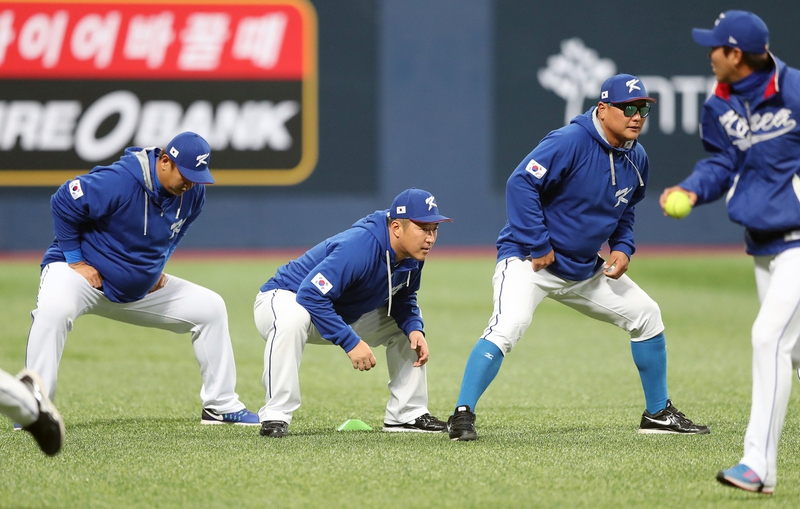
(448, 96)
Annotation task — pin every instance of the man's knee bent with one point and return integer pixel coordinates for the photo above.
(649, 323)
(54, 314)
(504, 342)
(206, 306)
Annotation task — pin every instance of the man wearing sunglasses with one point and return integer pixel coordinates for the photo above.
(573, 193)
(751, 134)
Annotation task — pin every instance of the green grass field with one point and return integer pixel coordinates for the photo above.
(557, 427)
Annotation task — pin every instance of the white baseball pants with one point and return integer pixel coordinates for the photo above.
(286, 327)
(776, 351)
(16, 400)
(518, 290)
(180, 307)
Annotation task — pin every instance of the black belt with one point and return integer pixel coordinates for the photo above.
(760, 237)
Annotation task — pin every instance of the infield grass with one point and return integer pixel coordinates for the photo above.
(557, 427)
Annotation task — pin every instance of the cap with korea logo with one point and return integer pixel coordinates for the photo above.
(623, 88)
(418, 206)
(736, 29)
(192, 155)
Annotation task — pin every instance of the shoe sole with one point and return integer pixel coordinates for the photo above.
(392, 429)
(464, 437)
(742, 485)
(213, 423)
(670, 432)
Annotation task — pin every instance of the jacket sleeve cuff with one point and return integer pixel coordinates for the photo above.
(538, 252)
(350, 341)
(73, 256)
(625, 248)
(413, 325)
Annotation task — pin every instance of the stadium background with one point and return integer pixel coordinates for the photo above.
(446, 95)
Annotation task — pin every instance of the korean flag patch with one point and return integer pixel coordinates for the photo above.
(321, 283)
(535, 169)
(75, 189)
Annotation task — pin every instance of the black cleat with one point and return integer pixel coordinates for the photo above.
(670, 420)
(274, 429)
(425, 423)
(461, 425)
(48, 430)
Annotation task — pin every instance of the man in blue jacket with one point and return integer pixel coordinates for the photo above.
(115, 229)
(574, 192)
(357, 290)
(751, 134)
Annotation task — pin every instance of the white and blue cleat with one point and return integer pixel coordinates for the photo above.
(243, 417)
(741, 476)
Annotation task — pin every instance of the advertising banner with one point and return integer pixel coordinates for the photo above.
(81, 80)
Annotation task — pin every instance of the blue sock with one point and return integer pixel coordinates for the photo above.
(650, 357)
(482, 366)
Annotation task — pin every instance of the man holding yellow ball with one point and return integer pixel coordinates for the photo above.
(752, 135)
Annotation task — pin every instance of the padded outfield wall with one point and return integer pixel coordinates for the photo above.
(446, 95)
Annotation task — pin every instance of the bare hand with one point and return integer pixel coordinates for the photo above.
(543, 261)
(663, 198)
(419, 344)
(89, 273)
(361, 357)
(160, 283)
(616, 265)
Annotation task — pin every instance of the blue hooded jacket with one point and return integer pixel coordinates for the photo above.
(571, 194)
(351, 274)
(124, 224)
(752, 136)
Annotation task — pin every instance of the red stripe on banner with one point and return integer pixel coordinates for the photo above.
(154, 40)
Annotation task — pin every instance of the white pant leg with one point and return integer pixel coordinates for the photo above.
(16, 400)
(774, 338)
(284, 324)
(180, 306)
(64, 295)
(616, 301)
(517, 291)
(185, 307)
(408, 385)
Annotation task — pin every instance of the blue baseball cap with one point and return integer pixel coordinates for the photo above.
(623, 88)
(192, 155)
(418, 206)
(737, 29)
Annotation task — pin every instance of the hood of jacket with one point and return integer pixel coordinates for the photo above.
(140, 163)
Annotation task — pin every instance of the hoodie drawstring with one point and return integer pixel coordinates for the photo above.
(389, 277)
(146, 203)
(613, 174)
(641, 182)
